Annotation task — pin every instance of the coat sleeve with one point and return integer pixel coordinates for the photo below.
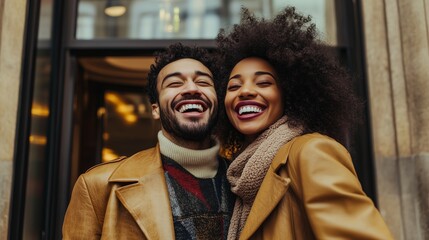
(333, 199)
(80, 221)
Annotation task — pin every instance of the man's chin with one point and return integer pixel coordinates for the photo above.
(199, 119)
(186, 127)
(195, 132)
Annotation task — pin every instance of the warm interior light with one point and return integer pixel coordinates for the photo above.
(115, 11)
(114, 8)
(108, 154)
(130, 118)
(125, 108)
(39, 110)
(38, 140)
(113, 98)
(127, 111)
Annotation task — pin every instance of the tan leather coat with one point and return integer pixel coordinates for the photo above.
(124, 199)
(311, 191)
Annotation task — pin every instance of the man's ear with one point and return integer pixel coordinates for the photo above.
(155, 111)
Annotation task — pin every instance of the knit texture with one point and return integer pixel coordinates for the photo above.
(201, 163)
(201, 208)
(247, 171)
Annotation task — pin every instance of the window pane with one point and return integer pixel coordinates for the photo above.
(184, 19)
(128, 124)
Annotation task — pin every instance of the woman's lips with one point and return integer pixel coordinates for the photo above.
(248, 116)
(246, 110)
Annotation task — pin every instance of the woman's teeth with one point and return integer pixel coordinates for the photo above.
(249, 109)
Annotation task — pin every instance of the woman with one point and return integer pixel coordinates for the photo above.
(287, 105)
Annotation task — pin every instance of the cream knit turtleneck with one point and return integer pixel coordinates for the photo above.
(200, 163)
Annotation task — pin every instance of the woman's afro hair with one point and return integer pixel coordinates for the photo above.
(317, 91)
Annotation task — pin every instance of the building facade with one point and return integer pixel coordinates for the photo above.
(71, 80)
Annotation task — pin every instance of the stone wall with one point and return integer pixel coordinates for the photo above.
(397, 56)
(12, 19)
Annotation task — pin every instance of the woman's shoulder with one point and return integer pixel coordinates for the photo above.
(314, 140)
(299, 145)
(314, 150)
(315, 136)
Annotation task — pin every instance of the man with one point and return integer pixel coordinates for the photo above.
(176, 190)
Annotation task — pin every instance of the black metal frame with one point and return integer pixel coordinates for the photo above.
(20, 163)
(55, 122)
(352, 26)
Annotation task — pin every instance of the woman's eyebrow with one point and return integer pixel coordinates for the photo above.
(258, 73)
(235, 76)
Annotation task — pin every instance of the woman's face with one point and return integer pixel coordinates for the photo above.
(253, 99)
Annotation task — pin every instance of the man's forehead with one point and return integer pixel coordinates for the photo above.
(184, 65)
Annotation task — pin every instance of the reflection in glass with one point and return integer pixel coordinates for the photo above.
(187, 19)
(128, 124)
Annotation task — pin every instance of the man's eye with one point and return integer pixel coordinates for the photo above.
(175, 84)
(204, 83)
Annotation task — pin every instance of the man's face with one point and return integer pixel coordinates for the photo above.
(187, 102)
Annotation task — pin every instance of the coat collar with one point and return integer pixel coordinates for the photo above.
(146, 197)
(272, 190)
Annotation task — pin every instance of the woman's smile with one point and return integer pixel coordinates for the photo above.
(253, 100)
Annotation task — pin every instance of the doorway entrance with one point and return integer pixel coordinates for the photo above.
(112, 113)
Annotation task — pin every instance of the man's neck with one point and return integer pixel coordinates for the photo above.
(195, 145)
(202, 163)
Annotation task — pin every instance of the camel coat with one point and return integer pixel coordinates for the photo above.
(311, 191)
(123, 199)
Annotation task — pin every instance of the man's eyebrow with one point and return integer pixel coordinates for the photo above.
(171, 75)
(175, 74)
(200, 73)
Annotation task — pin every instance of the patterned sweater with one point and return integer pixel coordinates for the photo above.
(201, 207)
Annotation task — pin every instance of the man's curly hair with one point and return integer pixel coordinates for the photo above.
(173, 53)
(317, 91)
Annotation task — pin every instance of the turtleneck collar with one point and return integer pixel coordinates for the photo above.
(200, 163)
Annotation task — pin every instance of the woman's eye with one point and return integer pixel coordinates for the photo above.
(233, 87)
(264, 83)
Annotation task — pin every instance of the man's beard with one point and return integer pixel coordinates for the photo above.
(191, 131)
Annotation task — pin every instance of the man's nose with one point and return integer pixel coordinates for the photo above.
(191, 88)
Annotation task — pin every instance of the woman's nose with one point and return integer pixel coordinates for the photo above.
(247, 91)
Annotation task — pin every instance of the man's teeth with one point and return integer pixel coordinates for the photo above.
(187, 107)
(249, 109)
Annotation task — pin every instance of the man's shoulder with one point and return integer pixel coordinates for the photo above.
(107, 166)
(103, 171)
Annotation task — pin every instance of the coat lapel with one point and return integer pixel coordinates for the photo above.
(146, 197)
(272, 190)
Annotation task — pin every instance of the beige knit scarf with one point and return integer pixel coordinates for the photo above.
(248, 170)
